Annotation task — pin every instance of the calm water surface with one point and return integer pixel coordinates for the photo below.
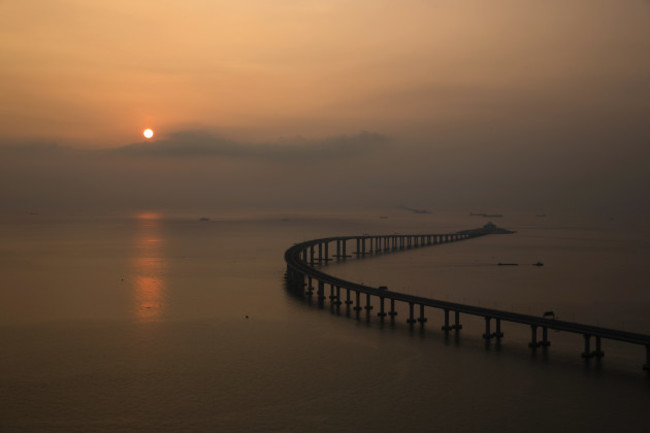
(139, 323)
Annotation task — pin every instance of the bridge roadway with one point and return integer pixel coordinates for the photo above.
(300, 259)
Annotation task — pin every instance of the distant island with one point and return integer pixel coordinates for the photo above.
(486, 215)
(488, 229)
(418, 211)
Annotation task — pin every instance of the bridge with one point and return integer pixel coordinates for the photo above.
(303, 277)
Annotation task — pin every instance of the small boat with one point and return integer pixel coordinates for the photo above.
(538, 264)
(508, 264)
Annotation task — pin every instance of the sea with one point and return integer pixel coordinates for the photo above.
(168, 321)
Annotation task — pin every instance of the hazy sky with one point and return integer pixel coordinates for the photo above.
(542, 101)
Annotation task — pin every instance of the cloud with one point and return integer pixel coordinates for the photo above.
(201, 143)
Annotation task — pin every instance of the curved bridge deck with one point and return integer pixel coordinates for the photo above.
(302, 276)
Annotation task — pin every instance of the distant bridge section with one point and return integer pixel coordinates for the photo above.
(304, 277)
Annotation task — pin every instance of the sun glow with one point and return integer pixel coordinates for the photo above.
(148, 133)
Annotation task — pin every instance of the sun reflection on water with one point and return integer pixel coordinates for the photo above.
(149, 268)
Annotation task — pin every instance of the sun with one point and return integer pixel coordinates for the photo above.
(148, 133)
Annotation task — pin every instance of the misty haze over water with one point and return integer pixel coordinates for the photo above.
(195, 170)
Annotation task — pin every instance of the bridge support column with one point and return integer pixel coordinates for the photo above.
(393, 313)
(498, 334)
(446, 326)
(411, 319)
(368, 306)
(545, 342)
(327, 252)
(487, 335)
(348, 301)
(358, 252)
(357, 307)
(332, 296)
(295, 280)
(422, 319)
(598, 353)
(457, 326)
(300, 281)
(320, 253)
(311, 255)
(310, 287)
(304, 255)
(533, 337)
(338, 297)
(587, 352)
(382, 313)
(321, 291)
